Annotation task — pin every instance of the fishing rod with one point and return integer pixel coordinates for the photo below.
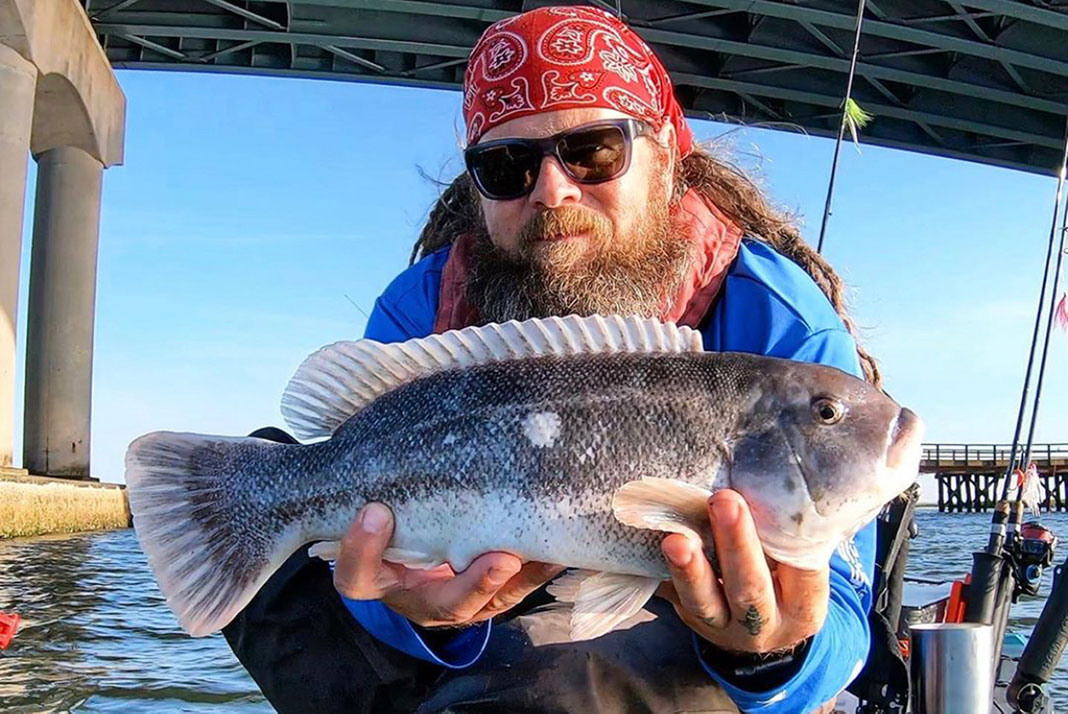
(1049, 645)
(842, 124)
(989, 587)
(1045, 353)
(1012, 464)
(1016, 514)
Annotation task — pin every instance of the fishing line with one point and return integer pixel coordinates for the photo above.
(1017, 509)
(990, 573)
(355, 305)
(997, 537)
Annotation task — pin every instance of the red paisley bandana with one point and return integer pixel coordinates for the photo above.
(565, 58)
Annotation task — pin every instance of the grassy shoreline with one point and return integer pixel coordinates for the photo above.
(29, 508)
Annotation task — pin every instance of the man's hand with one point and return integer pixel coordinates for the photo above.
(752, 607)
(438, 597)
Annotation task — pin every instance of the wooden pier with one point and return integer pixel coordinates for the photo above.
(970, 476)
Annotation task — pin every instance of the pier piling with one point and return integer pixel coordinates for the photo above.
(968, 475)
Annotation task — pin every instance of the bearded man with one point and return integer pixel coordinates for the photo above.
(585, 193)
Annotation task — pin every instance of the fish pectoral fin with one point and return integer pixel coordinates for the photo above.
(662, 504)
(414, 559)
(601, 601)
(327, 550)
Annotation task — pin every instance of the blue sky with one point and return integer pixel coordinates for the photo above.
(249, 208)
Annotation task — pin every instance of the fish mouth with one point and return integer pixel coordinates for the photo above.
(903, 442)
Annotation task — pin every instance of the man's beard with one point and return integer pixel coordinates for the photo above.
(602, 273)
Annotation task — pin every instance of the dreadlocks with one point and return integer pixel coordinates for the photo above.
(458, 211)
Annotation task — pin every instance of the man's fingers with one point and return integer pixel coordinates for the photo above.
(667, 591)
(803, 596)
(747, 580)
(695, 583)
(360, 558)
(529, 578)
(461, 598)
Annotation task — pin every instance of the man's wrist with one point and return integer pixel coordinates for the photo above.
(437, 637)
(755, 671)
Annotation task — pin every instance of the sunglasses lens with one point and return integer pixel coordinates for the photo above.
(507, 171)
(598, 154)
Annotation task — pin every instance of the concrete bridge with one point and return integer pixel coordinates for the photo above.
(60, 103)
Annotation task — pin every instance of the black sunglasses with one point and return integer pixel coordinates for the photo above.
(506, 169)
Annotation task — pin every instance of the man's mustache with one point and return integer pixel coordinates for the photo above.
(562, 222)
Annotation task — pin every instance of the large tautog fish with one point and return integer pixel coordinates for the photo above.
(566, 440)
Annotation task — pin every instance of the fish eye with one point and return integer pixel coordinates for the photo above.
(828, 410)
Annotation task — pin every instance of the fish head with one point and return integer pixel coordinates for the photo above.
(820, 456)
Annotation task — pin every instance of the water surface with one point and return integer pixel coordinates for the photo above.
(98, 637)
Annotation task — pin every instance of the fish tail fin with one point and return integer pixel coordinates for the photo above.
(194, 511)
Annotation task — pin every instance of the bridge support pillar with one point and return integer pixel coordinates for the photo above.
(18, 81)
(59, 335)
(77, 117)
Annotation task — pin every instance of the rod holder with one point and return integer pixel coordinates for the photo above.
(952, 670)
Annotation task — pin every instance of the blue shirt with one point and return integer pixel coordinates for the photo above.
(769, 306)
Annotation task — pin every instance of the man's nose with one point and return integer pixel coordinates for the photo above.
(554, 187)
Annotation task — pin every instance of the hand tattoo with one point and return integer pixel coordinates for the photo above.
(753, 622)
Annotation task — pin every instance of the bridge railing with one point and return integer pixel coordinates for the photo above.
(965, 454)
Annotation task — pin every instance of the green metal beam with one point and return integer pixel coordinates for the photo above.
(285, 38)
(1022, 11)
(666, 37)
(841, 65)
(413, 7)
(786, 11)
(889, 30)
(246, 14)
(829, 100)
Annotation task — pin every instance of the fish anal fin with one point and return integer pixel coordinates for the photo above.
(414, 559)
(565, 588)
(663, 504)
(327, 550)
(601, 601)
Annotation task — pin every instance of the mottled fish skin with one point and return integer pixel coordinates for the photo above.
(524, 457)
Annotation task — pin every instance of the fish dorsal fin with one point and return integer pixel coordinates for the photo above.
(340, 379)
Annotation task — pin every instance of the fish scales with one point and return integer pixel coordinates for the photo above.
(453, 448)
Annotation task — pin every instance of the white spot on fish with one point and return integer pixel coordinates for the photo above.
(542, 428)
(449, 439)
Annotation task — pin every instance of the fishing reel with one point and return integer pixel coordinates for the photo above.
(1035, 550)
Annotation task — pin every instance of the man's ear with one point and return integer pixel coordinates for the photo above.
(666, 136)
